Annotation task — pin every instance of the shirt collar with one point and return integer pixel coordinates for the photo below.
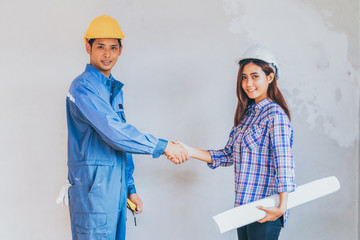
(104, 80)
(260, 105)
(263, 103)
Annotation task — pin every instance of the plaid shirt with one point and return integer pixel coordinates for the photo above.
(261, 149)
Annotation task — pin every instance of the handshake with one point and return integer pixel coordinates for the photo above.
(177, 152)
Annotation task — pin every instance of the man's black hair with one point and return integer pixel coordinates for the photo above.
(91, 41)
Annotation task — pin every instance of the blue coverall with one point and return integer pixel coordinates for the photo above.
(100, 164)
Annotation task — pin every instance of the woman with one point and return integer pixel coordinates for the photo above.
(259, 145)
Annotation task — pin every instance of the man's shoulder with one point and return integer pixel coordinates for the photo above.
(82, 81)
(83, 78)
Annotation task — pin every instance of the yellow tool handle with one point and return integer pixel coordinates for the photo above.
(131, 205)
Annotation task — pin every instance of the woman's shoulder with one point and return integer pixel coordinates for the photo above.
(274, 110)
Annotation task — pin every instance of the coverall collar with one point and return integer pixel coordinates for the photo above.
(104, 80)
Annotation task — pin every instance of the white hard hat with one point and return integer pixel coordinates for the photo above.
(262, 53)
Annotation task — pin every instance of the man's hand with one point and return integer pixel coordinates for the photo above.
(176, 153)
(137, 201)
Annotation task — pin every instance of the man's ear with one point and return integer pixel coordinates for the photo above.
(120, 50)
(271, 77)
(88, 48)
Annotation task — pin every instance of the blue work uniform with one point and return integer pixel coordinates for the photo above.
(100, 144)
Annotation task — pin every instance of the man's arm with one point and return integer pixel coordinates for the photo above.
(119, 135)
(129, 171)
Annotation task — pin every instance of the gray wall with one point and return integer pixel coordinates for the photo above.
(179, 74)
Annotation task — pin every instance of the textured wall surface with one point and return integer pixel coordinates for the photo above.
(179, 73)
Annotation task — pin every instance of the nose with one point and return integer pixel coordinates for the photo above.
(107, 52)
(249, 82)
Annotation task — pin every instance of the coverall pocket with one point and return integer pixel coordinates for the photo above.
(91, 226)
(253, 137)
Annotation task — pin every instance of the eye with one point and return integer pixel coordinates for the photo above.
(100, 47)
(243, 77)
(114, 48)
(255, 76)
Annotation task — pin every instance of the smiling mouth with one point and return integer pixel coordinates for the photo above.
(251, 90)
(107, 63)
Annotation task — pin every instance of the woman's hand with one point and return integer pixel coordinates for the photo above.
(176, 153)
(272, 213)
(188, 148)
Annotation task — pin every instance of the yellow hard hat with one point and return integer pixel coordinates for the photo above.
(103, 27)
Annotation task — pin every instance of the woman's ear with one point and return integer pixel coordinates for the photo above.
(271, 77)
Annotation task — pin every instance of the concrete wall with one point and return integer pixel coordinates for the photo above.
(179, 74)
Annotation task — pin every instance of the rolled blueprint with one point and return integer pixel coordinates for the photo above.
(248, 213)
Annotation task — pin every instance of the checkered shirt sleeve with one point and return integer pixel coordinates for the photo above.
(224, 156)
(281, 135)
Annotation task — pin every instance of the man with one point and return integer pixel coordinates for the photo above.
(100, 142)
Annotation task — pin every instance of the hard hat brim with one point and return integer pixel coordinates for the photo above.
(275, 67)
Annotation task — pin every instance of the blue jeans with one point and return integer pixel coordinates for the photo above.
(261, 231)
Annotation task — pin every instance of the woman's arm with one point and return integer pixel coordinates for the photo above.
(281, 140)
(273, 213)
(214, 158)
(197, 153)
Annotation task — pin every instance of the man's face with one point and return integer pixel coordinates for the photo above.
(104, 54)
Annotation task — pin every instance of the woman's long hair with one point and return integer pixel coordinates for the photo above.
(273, 91)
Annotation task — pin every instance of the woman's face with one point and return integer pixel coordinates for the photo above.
(255, 83)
